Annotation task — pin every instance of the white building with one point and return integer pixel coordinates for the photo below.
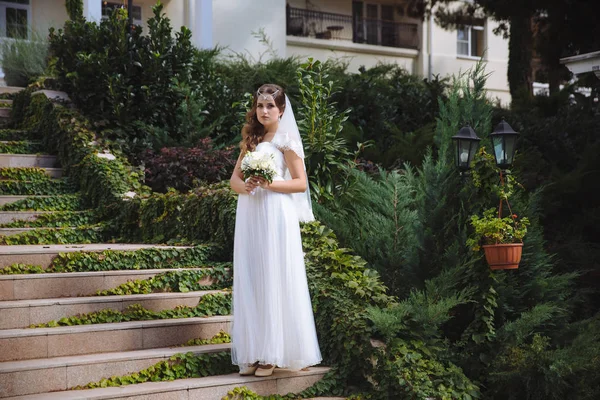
(358, 32)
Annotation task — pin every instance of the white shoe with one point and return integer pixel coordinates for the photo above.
(264, 370)
(248, 369)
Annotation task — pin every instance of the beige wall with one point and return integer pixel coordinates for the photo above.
(234, 22)
(446, 61)
(46, 14)
(355, 55)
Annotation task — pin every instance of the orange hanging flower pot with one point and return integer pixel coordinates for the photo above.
(503, 256)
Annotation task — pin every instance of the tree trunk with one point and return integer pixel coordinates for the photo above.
(520, 51)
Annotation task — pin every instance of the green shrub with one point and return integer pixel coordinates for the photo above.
(326, 152)
(205, 215)
(135, 83)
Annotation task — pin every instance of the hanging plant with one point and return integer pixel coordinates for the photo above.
(501, 237)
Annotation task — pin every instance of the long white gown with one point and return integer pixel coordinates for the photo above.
(273, 321)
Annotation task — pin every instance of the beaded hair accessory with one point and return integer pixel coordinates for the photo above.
(267, 96)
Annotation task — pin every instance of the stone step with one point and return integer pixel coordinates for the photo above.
(19, 378)
(43, 254)
(6, 101)
(71, 284)
(22, 313)
(32, 343)
(5, 112)
(52, 172)
(7, 217)
(28, 160)
(10, 89)
(16, 231)
(216, 387)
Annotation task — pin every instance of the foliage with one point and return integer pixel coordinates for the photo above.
(218, 277)
(221, 337)
(56, 219)
(392, 108)
(23, 60)
(69, 202)
(209, 305)
(21, 147)
(16, 269)
(320, 122)
(74, 9)
(141, 86)
(36, 187)
(455, 313)
(64, 132)
(67, 235)
(178, 366)
(557, 156)
(376, 218)
(207, 214)
(532, 367)
(182, 168)
(490, 229)
(112, 260)
(24, 174)
(16, 135)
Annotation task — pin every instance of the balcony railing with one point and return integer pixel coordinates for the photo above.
(323, 25)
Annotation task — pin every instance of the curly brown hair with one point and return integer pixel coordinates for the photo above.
(253, 131)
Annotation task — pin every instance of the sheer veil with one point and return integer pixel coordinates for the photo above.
(288, 125)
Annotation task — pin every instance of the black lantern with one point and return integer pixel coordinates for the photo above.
(504, 140)
(466, 143)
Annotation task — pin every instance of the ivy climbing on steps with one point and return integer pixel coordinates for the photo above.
(221, 337)
(152, 258)
(62, 235)
(20, 147)
(68, 202)
(38, 187)
(33, 174)
(178, 366)
(56, 219)
(176, 281)
(110, 260)
(17, 269)
(209, 305)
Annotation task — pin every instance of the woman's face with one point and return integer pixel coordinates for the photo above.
(267, 112)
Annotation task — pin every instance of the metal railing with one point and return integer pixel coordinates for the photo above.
(324, 25)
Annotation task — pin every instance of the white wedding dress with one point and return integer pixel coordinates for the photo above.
(273, 320)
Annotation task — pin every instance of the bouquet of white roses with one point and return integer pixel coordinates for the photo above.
(257, 163)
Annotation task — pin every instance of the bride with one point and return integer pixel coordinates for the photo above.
(273, 323)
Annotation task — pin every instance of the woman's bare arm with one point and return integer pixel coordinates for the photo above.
(295, 185)
(237, 179)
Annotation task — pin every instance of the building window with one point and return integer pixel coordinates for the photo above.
(470, 41)
(108, 7)
(14, 19)
(374, 24)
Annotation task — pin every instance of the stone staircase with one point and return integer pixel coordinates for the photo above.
(44, 362)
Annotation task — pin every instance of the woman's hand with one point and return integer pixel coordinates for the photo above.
(262, 182)
(251, 184)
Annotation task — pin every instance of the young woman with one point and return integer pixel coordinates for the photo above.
(273, 323)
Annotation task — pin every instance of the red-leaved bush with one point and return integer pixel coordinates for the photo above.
(182, 168)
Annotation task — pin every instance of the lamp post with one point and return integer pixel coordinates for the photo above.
(466, 143)
(504, 140)
(130, 15)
